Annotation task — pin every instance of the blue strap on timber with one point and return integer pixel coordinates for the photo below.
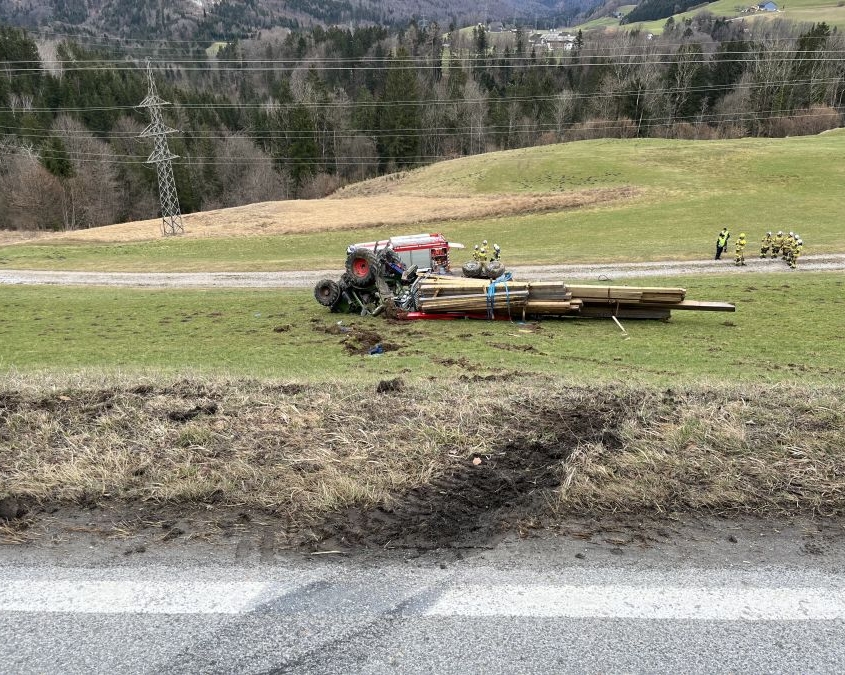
(491, 293)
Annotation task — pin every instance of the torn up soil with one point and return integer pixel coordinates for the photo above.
(471, 505)
(479, 499)
(402, 464)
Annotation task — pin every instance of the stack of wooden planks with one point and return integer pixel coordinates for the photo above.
(521, 299)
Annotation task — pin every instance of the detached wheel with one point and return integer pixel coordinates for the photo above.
(472, 269)
(361, 267)
(495, 269)
(327, 292)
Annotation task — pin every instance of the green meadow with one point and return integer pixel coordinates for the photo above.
(799, 11)
(787, 328)
(679, 195)
(220, 400)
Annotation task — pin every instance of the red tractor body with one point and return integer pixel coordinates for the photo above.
(426, 251)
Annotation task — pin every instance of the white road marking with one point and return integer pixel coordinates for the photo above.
(633, 602)
(119, 597)
(170, 596)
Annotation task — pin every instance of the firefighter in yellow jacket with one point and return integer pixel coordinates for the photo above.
(765, 245)
(796, 252)
(777, 244)
(740, 249)
(788, 242)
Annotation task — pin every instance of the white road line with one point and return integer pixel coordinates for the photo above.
(118, 597)
(721, 603)
(633, 602)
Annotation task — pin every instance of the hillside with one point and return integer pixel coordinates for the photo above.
(203, 19)
(608, 200)
(831, 12)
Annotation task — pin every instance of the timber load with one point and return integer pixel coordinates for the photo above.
(445, 296)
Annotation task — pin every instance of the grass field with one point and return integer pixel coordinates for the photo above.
(287, 334)
(221, 401)
(802, 11)
(655, 199)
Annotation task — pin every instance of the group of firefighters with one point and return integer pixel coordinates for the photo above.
(479, 253)
(787, 246)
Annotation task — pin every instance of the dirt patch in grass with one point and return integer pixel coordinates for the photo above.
(515, 348)
(349, 213)
(361, 342)
(462, 362)
(407, 464)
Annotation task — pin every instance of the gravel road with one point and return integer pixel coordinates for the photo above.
(598, 272)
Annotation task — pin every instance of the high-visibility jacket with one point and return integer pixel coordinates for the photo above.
(778, 241)
(722, 241)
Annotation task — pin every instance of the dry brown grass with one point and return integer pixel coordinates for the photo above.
(21, 236)
(347, 213)
(301, 452)
(263, 446)
(775, 451)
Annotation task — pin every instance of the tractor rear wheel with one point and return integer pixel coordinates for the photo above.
(472, 269)
(327, 292)
(361, 268)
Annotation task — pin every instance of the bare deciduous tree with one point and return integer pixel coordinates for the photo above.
(32, 197)
(474, 116)
(564, 110)
(92, 193)
(246, 174)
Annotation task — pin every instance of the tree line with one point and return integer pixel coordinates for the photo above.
(298, 114)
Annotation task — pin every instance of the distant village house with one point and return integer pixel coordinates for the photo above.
(762, 7)
(553, 41)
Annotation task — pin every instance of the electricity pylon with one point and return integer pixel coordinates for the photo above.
(171, 217)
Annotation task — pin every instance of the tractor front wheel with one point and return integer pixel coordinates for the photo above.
(327, 292)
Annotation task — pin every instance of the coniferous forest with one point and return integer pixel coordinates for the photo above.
(287, 114)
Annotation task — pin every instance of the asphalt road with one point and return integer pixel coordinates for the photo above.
(526, 608)
(598, 272)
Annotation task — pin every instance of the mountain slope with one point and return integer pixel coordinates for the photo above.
(189, 19)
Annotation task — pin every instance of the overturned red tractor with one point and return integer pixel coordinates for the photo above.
(380, 275)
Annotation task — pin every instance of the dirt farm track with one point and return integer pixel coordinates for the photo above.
(598, 272)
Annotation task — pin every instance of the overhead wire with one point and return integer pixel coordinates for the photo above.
(272, 106)
(415, 62)
(249, 133)
(245, 67)
(351, 160)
